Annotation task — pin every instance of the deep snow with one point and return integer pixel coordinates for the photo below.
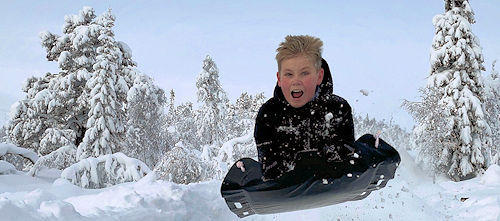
(412, 195)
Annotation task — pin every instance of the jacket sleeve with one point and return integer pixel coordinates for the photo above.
(265, 139)
(341, 142)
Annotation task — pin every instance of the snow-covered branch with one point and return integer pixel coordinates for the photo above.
(58, 159)
(106, 170)
(6, 148)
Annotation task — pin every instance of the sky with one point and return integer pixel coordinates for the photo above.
(381, 47)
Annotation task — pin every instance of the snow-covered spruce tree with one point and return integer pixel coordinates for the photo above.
(106, 123)
(146, 139)
(210, 117)
(171, 114)
(455, 125)
(492, 108)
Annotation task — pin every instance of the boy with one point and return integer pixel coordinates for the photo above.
(303, 114)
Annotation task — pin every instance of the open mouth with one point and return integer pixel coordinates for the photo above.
(297, 93)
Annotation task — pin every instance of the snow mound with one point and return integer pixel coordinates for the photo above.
(106, 170)
(6, 167)
(491, 176)
(58, 159)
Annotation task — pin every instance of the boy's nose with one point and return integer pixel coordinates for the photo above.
(296, 82)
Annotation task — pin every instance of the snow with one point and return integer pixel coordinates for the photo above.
(491, 176)
(411, 195)
(105, 170)
(127, 52)
(364, 92)
(6, 148)
(227, 148)
(131, 191)
(6, 167)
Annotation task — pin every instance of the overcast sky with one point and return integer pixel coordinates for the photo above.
(378, 46)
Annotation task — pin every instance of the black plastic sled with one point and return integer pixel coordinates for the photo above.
(313, 182)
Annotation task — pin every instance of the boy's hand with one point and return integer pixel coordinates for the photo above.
(377, 135)
(240, 165)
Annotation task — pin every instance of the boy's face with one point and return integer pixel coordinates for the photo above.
(298, 79)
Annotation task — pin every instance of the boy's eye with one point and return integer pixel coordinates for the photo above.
(288, 74)
(305, 73)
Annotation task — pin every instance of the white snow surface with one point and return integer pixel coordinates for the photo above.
(6, 167)
(412, 195)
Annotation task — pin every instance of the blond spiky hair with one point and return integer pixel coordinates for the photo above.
(295, 45)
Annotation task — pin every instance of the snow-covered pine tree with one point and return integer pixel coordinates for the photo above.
(241, 115)
(105, 126)
(30, 117)
(210, 118)
(247, 106)
(145, 134)
(58, 101)
(185, 127)
(492, 108)
(451, 113)
(171, 114)
(55, 110)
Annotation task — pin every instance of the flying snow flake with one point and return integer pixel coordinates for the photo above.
(364, 92)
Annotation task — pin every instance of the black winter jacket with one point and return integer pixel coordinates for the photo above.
(324, 124)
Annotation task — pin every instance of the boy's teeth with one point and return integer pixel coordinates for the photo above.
(297, 93)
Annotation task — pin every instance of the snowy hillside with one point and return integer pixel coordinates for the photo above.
(410, 196)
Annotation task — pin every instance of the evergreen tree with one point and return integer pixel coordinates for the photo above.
(185, 127)
(171, 115)
(241, 115)
(145, 134)
(210, 119)
(30, 117)
(451, 122)
(58, 101)
(492, 107)
(86, 98)
(105, 126)
(3, 134)
(181, 165)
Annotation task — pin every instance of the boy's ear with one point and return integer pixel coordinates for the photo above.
(321, 74)
(278, 76)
